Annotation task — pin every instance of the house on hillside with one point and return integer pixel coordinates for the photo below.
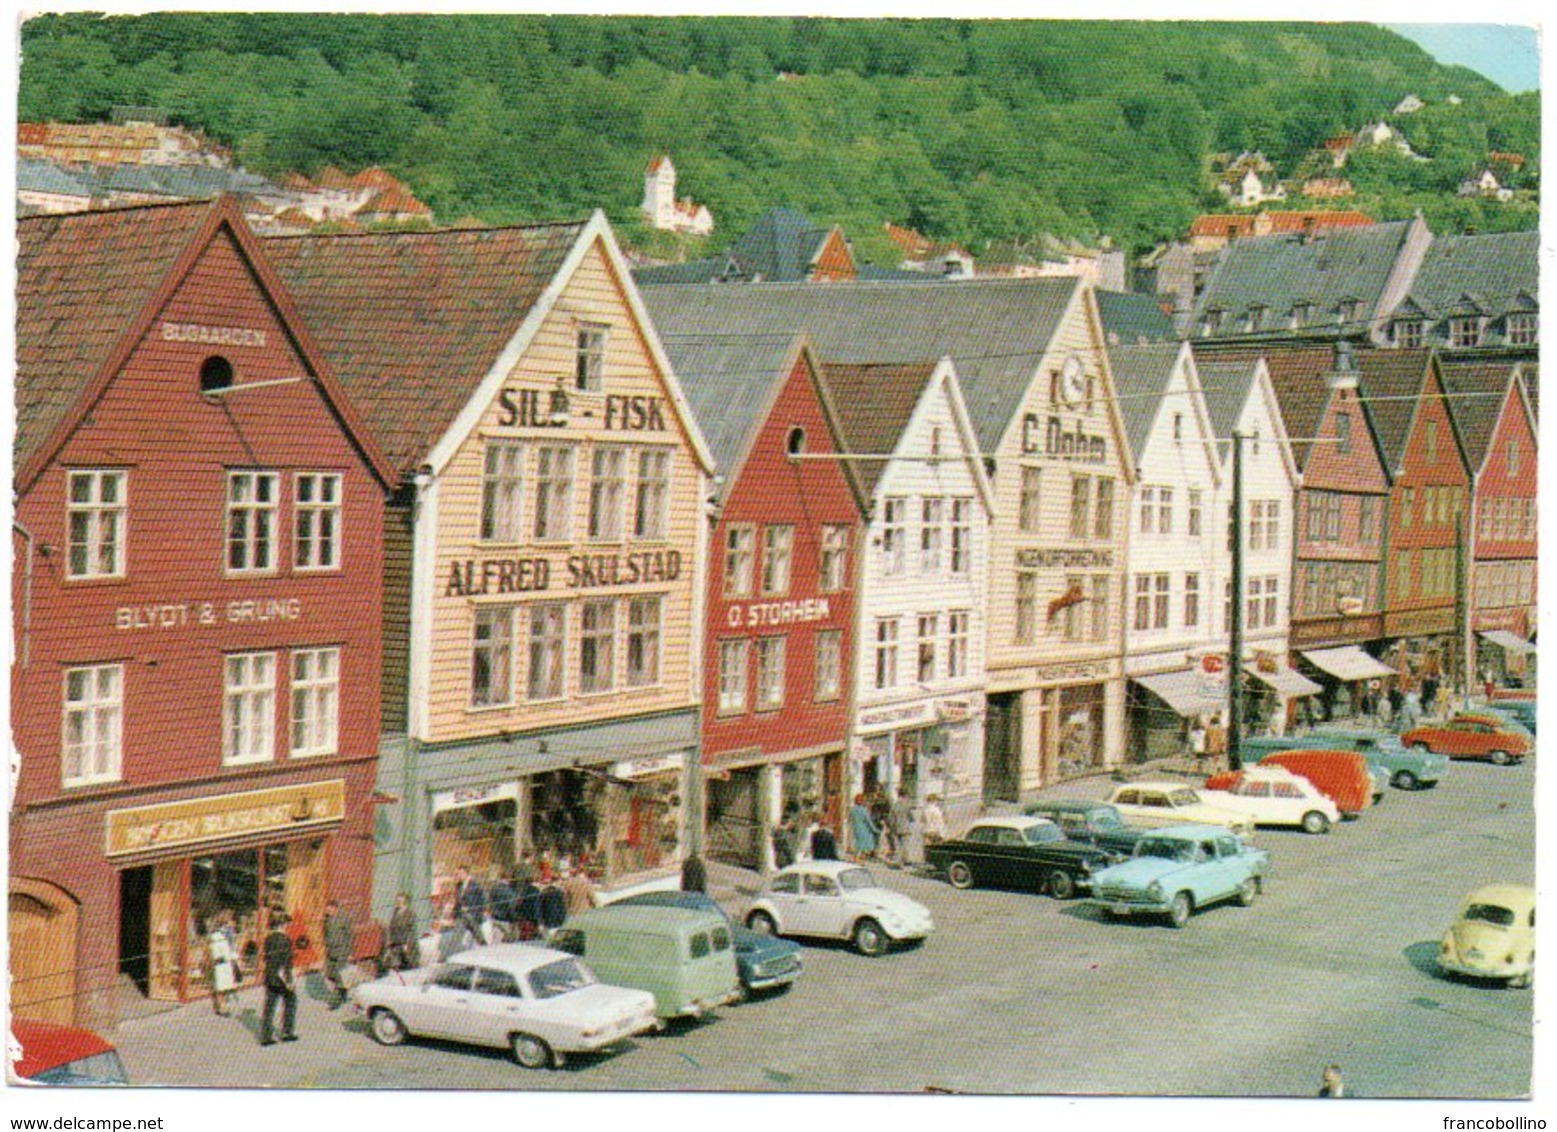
(1410, 104)
(1485, 184)
(661, 207)
(920, 253)
(1249, 179)
(1327, 188)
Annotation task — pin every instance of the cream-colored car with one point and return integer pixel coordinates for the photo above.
(1156, 804)
(1494, 936)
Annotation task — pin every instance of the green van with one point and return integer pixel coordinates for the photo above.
(684, 958)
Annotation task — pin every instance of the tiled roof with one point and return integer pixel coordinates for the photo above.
(396, 202)
(1299, 377)
(1130, 318)
(1389, 382)
(996, 331)
(412, 322)
(912, 244)
(780, 247)
(1477, 390)
(1141, 375)
(81, 281)
(654, 165)
(874, 403)
(1493, 270)
(374, 177)
(332, 178)
(1217, 224)
(32, 133)
(1298, 221)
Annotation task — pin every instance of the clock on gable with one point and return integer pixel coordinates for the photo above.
(1073, 380)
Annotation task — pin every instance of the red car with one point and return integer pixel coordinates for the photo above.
(64, 1055)
(1471, 736)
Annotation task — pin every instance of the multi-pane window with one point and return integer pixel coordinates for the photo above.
(1191, 600)
(249, 708)
(597, 646)
(1251, 612)
(317, 522)
(1272, 524)
(607, 492)
(778, 543)
(1164, 510)
(1272, 599)
(1080, 506)
(1160, 590)
(961, 535)
(316, 687)
(653, 498)
(886, 652)
(1027, 509)
(643, 642)
(553, 493)
(589, 356)
(491, 657)
(1407, 506)
(1143, 602)
(1256, 525)
(1148, 510)
(1103, 513)
(833, 563)
(739, 551)
(957, 643)
(502, 493)
(1465, 332)
(1101, 585)
(1026, 606)
(770, 672)
(1522, 328)
(1332, 516)
(1409, 333)
(251, 520)
(829, 664)
(732, 676)
(894, 535)
(929, 636)
(933, 512)
(548, 629)
(95, 508)
(1404, 579)
(1075, 607)
(1193, 514)
(91, 744)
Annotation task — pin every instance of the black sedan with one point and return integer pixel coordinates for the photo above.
(1019, 852)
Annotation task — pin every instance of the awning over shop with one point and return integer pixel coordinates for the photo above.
(1286, 681)
(1349, 663)
(1513, 642)
(1187, 691)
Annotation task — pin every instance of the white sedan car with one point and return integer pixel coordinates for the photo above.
(1158, 804)
(1273, 795)
(536, 1002)
(837, 900)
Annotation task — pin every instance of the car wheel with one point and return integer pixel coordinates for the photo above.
(1315, 822)
(1247, 891)
(1179, 910)
(1404, 780)
(530, 1051)
(762, 923)
(386, 1027)
(1062, 886)
(1500, 758)
(960, 874)
(869, 939)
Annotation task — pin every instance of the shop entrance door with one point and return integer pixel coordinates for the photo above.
(1002, 748)
(135, 927)
(734, 827)
(43, 929)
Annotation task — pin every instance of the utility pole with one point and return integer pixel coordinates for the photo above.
(1462, 619)
(1235, 622)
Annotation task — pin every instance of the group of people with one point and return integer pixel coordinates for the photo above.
(531, 902)
(893, 832)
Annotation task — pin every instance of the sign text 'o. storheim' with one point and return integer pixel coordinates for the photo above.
(778, 612)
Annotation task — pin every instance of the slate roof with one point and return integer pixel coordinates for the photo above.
(780, 247)
(1388, 383)
(1532, 375)
(1497, 272)
(1299, 376)
(996, 331)
(411, 322)
(1476, 416)
(1225, 383)
(81, 281)
(47, 177)
(1141, 375)
(874, 403)
(1130, 318)
(709, 270)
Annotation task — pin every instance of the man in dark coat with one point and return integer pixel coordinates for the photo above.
(340, 936)
(694, 877)
(824, 844)
(278, 984)
(470, 904)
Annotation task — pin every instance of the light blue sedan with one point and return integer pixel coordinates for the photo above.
(1180, 869)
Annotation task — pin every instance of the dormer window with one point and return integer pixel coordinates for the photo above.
(1212, 323)
(1349, 309)
(1301, 313)
(1465, 331)
(1410, 333)
(1256, 319)
(1522, 328)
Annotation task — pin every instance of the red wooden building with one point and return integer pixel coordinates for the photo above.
(781, 591)
(196, 603)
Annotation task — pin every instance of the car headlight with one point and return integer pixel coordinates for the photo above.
(1086, 866)
(1154, 890)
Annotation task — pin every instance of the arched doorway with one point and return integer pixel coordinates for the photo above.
(43, 922)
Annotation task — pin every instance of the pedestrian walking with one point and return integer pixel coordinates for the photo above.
(223, 949)
(578, 891)
(1330, 1083)
(934, 820)
(278, 984)
(340, 936)
(402, 952)
(900, 820)
(784, 842)
(862, 830)
(553, 909)
(824, 843)
(1197, 739)
(470, 903)
(694, 877)
(881, 814)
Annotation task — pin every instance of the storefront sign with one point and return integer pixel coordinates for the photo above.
(1050, 438)
(1419, 622)
(643, 768)
(206, 614)
(954, 711)
(474, 796)
(212, 335)
(898, 715)
(1515, 620)
(471, 577)
(176, 824)
(1081, 670)
(1337, 630)
(778, 612)
(1040, 558)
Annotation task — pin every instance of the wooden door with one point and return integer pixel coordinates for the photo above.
(43, 951)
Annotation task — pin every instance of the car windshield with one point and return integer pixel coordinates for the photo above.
(1107, 819)
(854, 879)
(1184, 798)
(1493, 914)
(560, 977)
(98, 1069)
(1166, 849)
(1038, 834)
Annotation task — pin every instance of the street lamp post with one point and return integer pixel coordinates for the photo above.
(1235, 621)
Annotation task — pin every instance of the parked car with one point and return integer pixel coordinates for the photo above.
(1276, 796)
(1023, 851)
(1471, 736)
(65, 1055)
(684, 958)
(837, 900)
(1406, 768)
(1507, 714)
(1095, 823)
(1523, 710)
(1156, 804)
(1341, 776)
(1179, 869)
(538, 1002)
(763, 962)
(1493, 937)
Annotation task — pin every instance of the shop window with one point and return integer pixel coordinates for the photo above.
(961, 535)
(778, 542)
(653, 497)
(317, 521)
(491, 657)
(316, 678)
(834, 564)
(249, 708)
(502, 493)
(739, 551)
(553, 494)
(643, 642)
(932, 512)
(732, 677)
(589, 357)
(94, 725)
(479, 836)
(251, 521)
(597, 646)
(771, 652)
(829, 664)
(548, 627)
(95, 510)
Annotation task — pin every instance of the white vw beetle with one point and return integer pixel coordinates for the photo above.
(537, 1002)
(837, 900)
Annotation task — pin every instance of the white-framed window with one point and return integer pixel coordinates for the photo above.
(833, 564)
(1026, 606)
(1028, 513)
(1272, 599)
(778, 545)
(92, 741)
(957, 622)
(1080, 506)
(1194, 512)
(553, 493)
(886, 652)
(589, 357)
(1465, 332)
(929, 639)
(739, 550)
(316, 695)
(607, 492)
(732, 676)
(652, 502)
(1191, 600)
(1103, 513)
(317, 521)
(961, 535)
(548, 651)
(894, 535)
(96, 507)
(933, 513)
(249, 708)
(771, 653)
(1075, 586)
(1367, 518)
(1148, 510)
(597, 647)
(1522, 328)
(251, 521)
(1160, 601)
(492, 656)
(1410, 333)
(1143, 603)
(1256, 524)
(643, 642)
(829, 664)
(1102, 585)
(502, 493)
(1251, 613)
(1164, 510)
(1272, 524)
